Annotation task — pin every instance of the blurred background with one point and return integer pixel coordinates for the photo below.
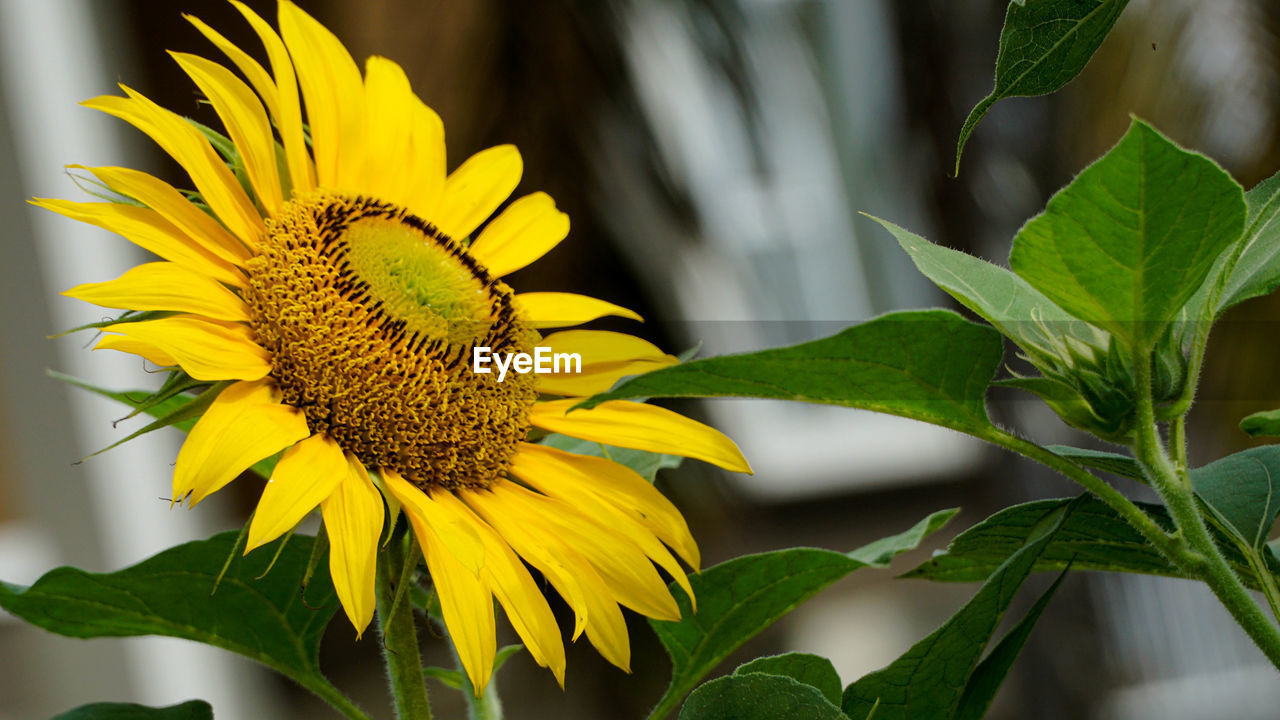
(714, 156)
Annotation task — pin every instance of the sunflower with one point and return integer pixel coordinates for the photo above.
(320, 281)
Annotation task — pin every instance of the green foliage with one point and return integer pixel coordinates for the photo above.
(1262, 424)
(1093, 537)
(1044, 44)
(812, 670)
(757, 696)
(189, 710)
(1257, 271)
(1114, 463)
(1243, 490)
(930, 681)
(266, 618)
(1132, 238)
(930, 365)
(739, 598)
(990, 673)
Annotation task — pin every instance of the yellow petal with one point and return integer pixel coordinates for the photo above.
(513, 586)
(144, 350)
(540, 548)
(245, 424)
(145, 228)
(605, 626)
(334, 93)
(567, 483)
(252, 70)
(642, 427)
(353, 519)
(289, 117)
(405, 156)
(603, 346)
(528, 229)
(191, 221)
(477, 188)
(389, 105)
(246, 123)
(427, 170)
(625, 570)
(185, 144)
(618, 485)
(205, 349)
(467, 606)
(165, 286)
(425, 515)
(557, 309)
(593, 379)
(306, 475)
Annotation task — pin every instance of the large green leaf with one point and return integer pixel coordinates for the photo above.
(1019, 311)
(1093, 537)
(813, 670)
(929, 680)
(931, 365)
(189, 710)
(990, 673)
(757, 696)
(1044, 44)
(172, 594)
(1257, 272)
(1244, 491)
(1133, 237)
(739, 598)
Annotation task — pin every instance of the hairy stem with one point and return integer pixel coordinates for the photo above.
(400, 636)
(1170, 547)
(1206, 562)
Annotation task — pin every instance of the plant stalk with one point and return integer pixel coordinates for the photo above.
(1206, 562)
(400, 636)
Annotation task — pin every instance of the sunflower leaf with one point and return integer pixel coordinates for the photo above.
(990, 673)
(189, 710)
(741, 597)
(758, 696)
(1257, 270)
(930, 365)
(812, 670)
(1093, 537)
(1133, 237)
(929, 680)
(269, 619)
(1043, 45)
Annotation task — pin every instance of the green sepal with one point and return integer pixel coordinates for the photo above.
(129, 316)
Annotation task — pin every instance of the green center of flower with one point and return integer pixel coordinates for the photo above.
(370, 315)
(420, 282)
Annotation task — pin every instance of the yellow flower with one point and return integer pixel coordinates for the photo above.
(328, 288)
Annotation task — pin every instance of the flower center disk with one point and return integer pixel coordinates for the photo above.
(370, 315)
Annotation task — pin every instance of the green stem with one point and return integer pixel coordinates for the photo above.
(1206, 562)
(1178, 442)
(400, 636)
(1116, 500)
